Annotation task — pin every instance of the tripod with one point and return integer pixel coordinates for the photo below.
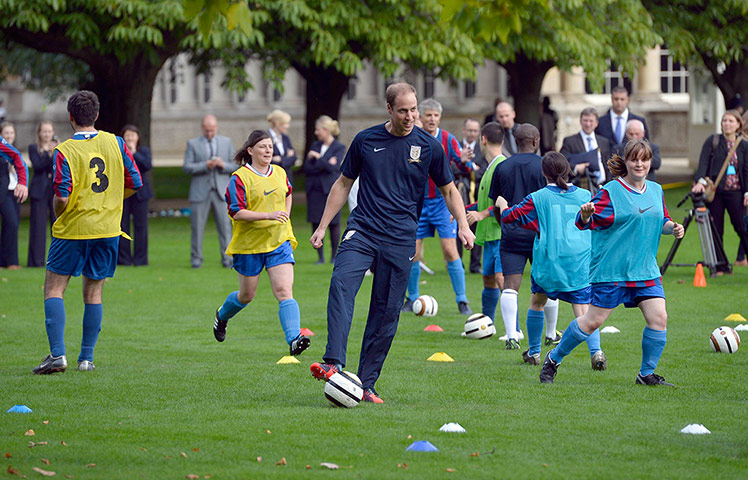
(713, 253)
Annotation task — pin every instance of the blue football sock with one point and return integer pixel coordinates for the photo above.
(535, 322)
(653, 343)
(54, 321)
(593, 342)
(489, 299)
(518, 327)
(456, 271)
(415, 277)
(231, 306)
(93, 313)
(572, 337)
(290, 318)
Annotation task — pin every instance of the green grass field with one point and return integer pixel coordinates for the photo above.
(168, 401)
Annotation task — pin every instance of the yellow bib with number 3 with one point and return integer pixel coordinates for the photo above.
(97, 173)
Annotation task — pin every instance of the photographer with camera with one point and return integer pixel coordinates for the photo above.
(722, 176)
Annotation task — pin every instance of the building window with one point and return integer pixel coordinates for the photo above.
(428, 84)
(175, 77)
(276, 95)
(351, 92)
(469, 89)
(206, 87)
(673, 74)
(613, 78)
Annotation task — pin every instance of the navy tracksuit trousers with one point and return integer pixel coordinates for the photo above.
(391, 265)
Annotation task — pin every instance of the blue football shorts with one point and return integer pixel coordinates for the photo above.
(491, 258)
(251, 264)
(583, 296)
(607, 295)
(435, 217)
(94, 258)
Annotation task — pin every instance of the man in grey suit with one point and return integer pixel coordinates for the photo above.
(209, 160)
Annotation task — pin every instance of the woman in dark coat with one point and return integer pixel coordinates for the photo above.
(137, 204)
(321, 169)
(732, 190)
(41, 155)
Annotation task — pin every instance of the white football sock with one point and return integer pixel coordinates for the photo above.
(551, 317)
(509, 312)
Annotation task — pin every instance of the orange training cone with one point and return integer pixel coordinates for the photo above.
(698, 278)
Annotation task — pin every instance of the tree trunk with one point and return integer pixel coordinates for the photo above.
(525, 81)
(325, 88)
(125, 94)
(731, 82)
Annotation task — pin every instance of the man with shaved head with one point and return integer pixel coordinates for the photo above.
(514, 179)
(208, 160)
(635, 131)
(505, 117)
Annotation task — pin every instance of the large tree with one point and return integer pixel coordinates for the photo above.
(121, 45)
(713, 34)
(328, 41)
(562, 33)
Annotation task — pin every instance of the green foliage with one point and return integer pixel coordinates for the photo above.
(163, 385)
(691, 28)
(567, 33)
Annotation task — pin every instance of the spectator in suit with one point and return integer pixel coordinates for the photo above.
(586, 141)
(207, 160)
(283, 152)
(612, 125)
(321, 169)
(472, 151)
(505, 116)
(136, 205)
(548, 124)
(635, 131)
(41, 193)
(10, 211)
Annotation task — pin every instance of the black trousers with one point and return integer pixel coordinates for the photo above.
(138, 209)
(732, 202)
(10, 210)
(42, 210)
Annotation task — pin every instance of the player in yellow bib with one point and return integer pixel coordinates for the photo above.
(93, 173)
(259, 203)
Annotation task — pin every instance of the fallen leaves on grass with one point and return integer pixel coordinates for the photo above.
(30, 432)
(34, 444)
(330, 466)
(545, 465)
(259, 459)
(183, 454)
(308, 467)
(475, 454)
(196, 449)
(191, 476)
(44, 460)
(7, 455)
(268, 432)
(282, 461)
(46, 473)
(402, 465)
(144, 449)
(450, 470)
(12, 471)
(63, 443)
(90, 465)
(410, 437)
(45, 422)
